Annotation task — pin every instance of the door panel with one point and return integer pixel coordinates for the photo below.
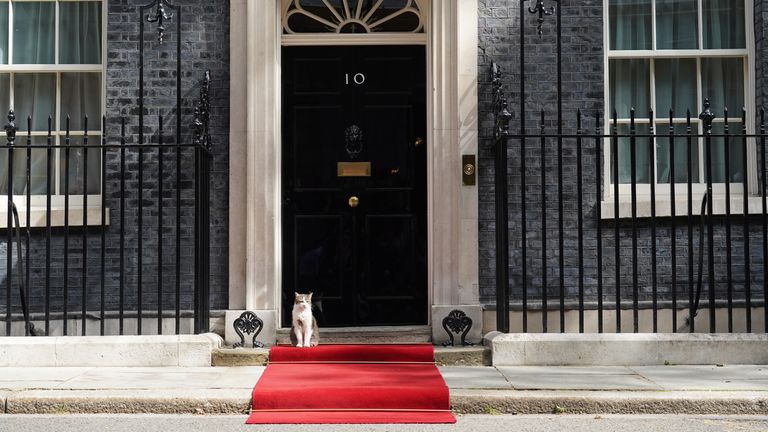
(365, 264)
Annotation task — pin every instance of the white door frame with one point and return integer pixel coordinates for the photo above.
(255, 151)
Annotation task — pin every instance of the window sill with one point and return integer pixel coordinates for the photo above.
(37, 217)
(663, 206)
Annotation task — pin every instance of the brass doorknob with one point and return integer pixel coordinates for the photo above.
(353, 201)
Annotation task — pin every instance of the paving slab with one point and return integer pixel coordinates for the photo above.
(605, 378)
(143, 378)
(468, 377)
(520, 389)
(728, 377)
(19, 378)
(180, 378)
(573, 370)
(243, 377)
(40, 373)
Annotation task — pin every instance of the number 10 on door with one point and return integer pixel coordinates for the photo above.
(357, 78)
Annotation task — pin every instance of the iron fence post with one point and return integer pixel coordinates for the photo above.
(707, 116)
(500, 137)
(10, 134)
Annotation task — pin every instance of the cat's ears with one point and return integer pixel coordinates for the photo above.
(310, 295)
(296, 295)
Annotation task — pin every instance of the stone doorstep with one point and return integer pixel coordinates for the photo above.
(367, 335)
(220, 401)
(444, 356)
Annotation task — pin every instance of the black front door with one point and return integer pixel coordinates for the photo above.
(354, 183)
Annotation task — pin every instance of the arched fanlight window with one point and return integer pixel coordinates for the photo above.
(352, 16)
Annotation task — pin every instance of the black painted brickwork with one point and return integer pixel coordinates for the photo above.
(583, 85)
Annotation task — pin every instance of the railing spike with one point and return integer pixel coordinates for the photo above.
(10, 128)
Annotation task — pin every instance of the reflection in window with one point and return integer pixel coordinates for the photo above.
(33, 32)
(50, 91)
(630, 24)
(678, 82)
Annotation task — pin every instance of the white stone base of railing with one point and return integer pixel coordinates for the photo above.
(114, 351)
(591, 349)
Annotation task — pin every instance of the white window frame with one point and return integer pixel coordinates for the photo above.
(663, 190)
(38, 201)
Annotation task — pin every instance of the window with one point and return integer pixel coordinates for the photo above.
(352, 16)
(671, 54)
(51, 64)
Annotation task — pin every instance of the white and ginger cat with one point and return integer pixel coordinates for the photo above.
(304, 331)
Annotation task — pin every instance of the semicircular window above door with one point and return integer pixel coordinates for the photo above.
(352, 16)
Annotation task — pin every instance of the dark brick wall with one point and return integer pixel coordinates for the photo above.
(205, 46)
(583, 85)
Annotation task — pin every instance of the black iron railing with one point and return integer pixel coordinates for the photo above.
(641, 258)
(101, 253)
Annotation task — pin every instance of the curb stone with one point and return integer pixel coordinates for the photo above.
(222, 401)
(210, 401)
(607, 402)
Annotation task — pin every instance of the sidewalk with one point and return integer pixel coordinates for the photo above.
(737, 389)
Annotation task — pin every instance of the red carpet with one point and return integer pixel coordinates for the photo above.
(351, 384)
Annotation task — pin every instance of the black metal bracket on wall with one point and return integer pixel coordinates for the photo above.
(248, 323)
(459, 323)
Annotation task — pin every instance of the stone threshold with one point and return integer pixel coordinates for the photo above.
(363, 335)
(444, 356)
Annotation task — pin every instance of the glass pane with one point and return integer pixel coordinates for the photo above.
(37, 167)
(5, 97)
(77, 166)
(676, 87)
(630, 87)
(736, 146)
(33, 32)
(643, 155)
(35, 96)
(80, 33)
(723, 83)
(3, 33)
(663, 168)
(677, 24)
(723, 24)
(387, 17)
(80, 97)
(630, 24)
(301, 23)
